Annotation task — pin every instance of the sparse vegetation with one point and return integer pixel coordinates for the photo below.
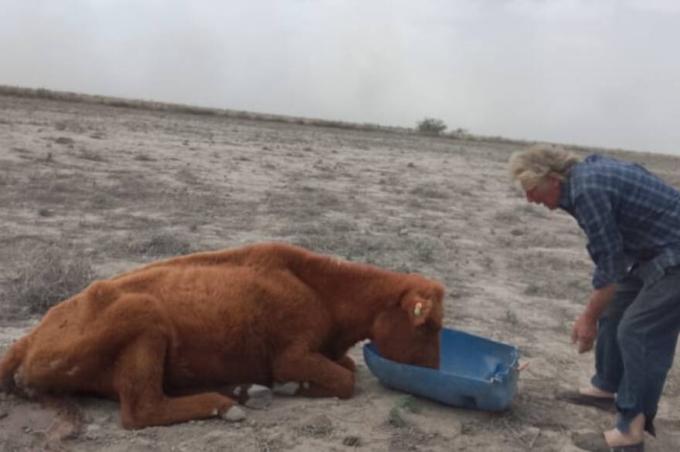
(66, 141)
(161, 244)
(511, 317)
(425, 250)
(318, 427)
(46, 275)
(393, 197)
(143, 158)
(409, 403)
(87, 154)
(459, 133)
(404, 404)
(395, 419)
(65, 96)
(430, 191)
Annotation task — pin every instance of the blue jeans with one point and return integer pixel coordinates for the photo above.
(636, 340)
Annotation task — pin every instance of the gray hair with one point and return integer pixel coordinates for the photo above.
(530, 166)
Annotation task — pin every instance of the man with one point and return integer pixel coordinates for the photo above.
(632, 222)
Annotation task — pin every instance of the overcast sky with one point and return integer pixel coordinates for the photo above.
(603, 73)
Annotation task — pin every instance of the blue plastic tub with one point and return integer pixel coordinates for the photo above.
(474, 372)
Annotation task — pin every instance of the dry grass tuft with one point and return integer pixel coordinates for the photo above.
(319, 426)
(162, 244)
(46, 275)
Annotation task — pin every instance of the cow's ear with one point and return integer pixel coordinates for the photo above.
(418, 309)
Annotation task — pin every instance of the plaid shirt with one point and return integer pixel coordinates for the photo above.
(630, 216)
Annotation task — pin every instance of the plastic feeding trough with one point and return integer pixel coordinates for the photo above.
(474, 372)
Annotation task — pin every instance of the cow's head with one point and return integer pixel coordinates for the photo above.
(408, 332)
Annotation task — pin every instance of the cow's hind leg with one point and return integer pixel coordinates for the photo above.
(138, 380)
(299, 372)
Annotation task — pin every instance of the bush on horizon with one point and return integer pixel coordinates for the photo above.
(431, 126)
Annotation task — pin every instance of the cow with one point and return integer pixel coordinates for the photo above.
(191, 336)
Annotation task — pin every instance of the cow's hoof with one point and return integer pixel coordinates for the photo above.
(234, 414)
(259, 397)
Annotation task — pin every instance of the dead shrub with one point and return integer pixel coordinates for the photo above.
(143, 158)
(88, 154)
(431, 126)
(317, 427)
(430, 191)
(66, 141)
(48, 274)
(162, 244)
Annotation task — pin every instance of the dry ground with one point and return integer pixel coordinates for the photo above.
(123, 186)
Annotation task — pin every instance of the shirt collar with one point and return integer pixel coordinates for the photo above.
(566, 195)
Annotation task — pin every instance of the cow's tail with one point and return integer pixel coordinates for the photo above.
(10, 363)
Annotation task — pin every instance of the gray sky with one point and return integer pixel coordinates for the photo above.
(593, 72)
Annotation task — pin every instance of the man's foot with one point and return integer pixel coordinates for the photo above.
(634, 436)
(614, 440)
(596, 442)
(589, 396)
(592, 391)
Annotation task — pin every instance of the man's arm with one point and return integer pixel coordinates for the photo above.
(585, 328)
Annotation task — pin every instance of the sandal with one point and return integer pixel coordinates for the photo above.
(576, 398)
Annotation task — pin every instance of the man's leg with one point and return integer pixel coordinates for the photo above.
(647, 337)
(608, 362)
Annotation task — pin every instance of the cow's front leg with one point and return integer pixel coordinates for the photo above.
(298, 372)
(252, 395)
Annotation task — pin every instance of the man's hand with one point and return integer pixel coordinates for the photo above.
(585, 328)
(584, 332)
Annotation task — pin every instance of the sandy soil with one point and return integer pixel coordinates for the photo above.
(111, 182)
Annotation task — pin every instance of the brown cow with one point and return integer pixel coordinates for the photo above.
(167, 338)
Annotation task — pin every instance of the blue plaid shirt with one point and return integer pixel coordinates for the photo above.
(630, 216)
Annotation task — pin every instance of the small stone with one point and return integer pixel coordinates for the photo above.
(234, 414)
(289, 388)
(259, 397)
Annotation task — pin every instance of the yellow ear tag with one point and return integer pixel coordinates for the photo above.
(418, 309)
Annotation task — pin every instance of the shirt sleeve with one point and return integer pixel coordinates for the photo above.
(595, 213)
